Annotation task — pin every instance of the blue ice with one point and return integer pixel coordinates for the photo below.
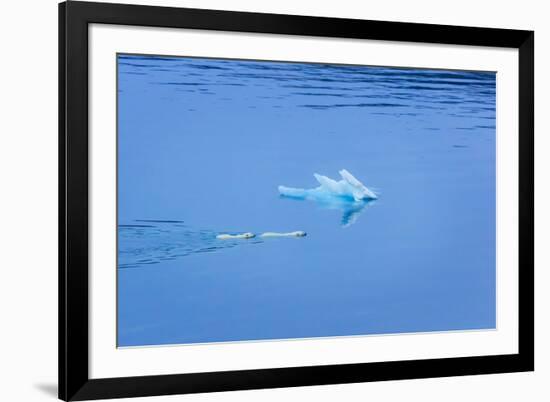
(348, 194)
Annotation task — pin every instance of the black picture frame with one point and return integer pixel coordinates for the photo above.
(74, 381)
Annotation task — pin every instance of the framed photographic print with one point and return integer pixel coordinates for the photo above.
(257, 200)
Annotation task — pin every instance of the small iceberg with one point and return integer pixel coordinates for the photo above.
(348, 195)
(348, 188)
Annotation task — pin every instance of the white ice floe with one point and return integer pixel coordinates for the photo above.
(348, 195)
(348, 188)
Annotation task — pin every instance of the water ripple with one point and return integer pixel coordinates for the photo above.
(142, 245)
(444, 90)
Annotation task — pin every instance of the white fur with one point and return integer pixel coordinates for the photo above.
(246, 235)
(298, 233)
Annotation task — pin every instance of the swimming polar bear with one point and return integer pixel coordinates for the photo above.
(246, 235)
(298, 233)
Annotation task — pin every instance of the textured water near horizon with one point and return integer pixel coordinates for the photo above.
(203, 145)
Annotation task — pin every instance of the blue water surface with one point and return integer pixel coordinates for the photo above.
(203, 145)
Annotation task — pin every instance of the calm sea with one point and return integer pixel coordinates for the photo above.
(203, 145)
